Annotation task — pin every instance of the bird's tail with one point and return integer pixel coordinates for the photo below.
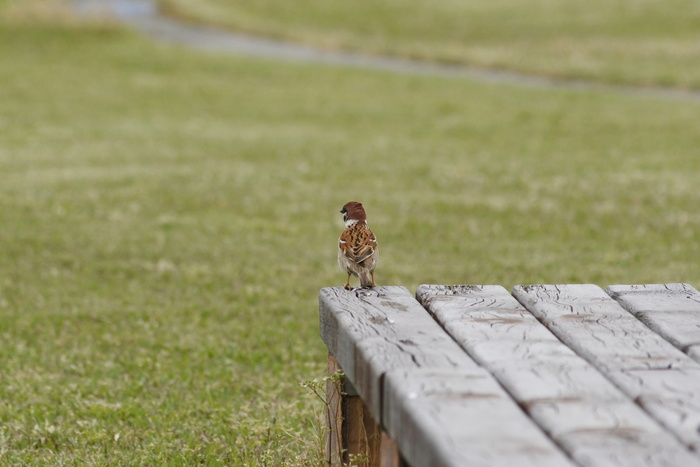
(366, 279)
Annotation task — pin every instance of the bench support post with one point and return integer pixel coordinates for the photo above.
(353, 437)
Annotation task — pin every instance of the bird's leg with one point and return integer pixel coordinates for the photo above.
(347, 283)
(373, 283)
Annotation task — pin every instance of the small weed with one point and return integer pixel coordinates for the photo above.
(321, 389)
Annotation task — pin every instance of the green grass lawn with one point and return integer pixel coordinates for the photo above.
(168, 218)
(644, 42)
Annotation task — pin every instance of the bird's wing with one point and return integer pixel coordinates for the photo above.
(357, 243)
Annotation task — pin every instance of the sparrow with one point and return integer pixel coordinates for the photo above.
(357, 246)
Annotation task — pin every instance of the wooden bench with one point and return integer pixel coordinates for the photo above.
(550, 375)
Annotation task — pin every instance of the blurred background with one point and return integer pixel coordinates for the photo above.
(169, 210)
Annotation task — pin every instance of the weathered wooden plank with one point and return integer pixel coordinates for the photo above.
(596, 327)
(374, 331)
(659, 377)
(582, 410)
(671, 396)
(611, 434)
(671, 310)
(462, 418)
(500, 334)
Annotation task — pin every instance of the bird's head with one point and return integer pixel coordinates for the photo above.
(353, 211)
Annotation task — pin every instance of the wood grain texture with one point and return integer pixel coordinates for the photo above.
(583, 411)
(671, 396)
(500, 334)
(389, 455)
(462, 418)
(596, 327)
(374, 331)
(651, 371)
(361, 434)
(611, 434)
(671, 310)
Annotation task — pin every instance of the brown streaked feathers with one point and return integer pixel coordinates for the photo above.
(357, 246)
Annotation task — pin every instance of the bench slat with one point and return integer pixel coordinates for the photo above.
(600, 330)
(671, 396)
(462, 418)
(370, 332)
(671, 310)
(581, 409)
(646, 367)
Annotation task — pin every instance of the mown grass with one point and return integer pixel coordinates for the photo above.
(168, 218)
(641, 42)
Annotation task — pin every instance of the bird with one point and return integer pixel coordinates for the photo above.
(357, 246)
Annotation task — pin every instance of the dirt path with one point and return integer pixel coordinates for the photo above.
(144, 16)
